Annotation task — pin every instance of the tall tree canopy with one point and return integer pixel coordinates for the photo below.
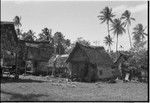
(128, 19)
(138, 33)
(108, 41)
(118, 29)
(106, 15)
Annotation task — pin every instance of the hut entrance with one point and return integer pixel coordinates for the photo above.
(90, 72)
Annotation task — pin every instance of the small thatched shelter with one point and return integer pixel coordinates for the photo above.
(57, 64)
(89, 63)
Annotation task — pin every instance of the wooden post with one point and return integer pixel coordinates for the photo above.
(16, 63)
(25, 68)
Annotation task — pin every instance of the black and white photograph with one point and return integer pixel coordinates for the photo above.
(74, 50)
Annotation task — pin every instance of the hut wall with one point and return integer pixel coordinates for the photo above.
(104, 72)
(91, 74)
(79, 56)
(77, 69)
(42, 66)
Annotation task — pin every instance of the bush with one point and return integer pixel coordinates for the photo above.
(139, 59)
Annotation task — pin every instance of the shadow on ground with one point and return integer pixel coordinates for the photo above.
(20, 97)
(12, 80)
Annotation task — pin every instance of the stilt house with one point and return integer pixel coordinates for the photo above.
(9, 43)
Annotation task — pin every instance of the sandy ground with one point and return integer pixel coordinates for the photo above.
(32, 88)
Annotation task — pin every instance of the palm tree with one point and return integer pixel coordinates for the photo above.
(17, 24)
(139, 33)
(127, 17)
(105, 16)
(118, 29)
(108, 41)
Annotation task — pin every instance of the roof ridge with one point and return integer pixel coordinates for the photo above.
(96, 47)
(7, 22)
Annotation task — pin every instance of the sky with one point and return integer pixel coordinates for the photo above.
(74, 18)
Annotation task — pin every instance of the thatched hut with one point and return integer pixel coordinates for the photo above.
(38, 53)
(89, 63)
(58, 66)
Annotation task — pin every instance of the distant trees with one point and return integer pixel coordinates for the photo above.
(58, 42)
(47, 32)
(29, 36)
(45, 35)
(42, 37)
(67, 42)
(83, 41)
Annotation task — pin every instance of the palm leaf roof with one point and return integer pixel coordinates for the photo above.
(9, 38)
(95, 55)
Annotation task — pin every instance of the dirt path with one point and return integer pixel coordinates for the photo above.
(31, 88)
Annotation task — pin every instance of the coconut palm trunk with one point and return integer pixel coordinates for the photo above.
(108, 27)
(117, 46)
(129, 36)
(109, 48)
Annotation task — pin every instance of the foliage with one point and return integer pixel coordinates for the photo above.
(79, 40)
(28, 36)
(42, 37)
(83, 41)
(139, 59)
(139, 33)
(61, 43)
(47, 33)
(126, 16)
(108, 41)
(118, 29)
(58, 38)
(106, 15)
(67, 42)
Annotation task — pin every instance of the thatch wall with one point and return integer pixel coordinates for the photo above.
(8, 37)
(85, 62)
(9, 43)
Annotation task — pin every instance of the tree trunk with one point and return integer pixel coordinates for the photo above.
(129, 36)
(117, 46)
(108, 27)
(109, 48)
(16, 63)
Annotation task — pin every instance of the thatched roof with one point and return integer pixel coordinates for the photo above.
(59, 60)
(95, 55)
(122, 55)
(35, 50)
(9, 38)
